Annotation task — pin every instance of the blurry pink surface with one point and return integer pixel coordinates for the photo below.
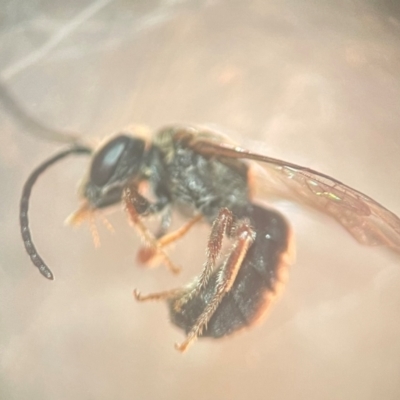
(315, 84)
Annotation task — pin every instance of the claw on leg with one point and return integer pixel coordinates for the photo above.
(182, 346)
(165, 295)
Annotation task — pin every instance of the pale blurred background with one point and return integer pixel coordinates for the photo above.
(315, 83)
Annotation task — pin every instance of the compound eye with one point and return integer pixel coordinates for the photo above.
(106, 160)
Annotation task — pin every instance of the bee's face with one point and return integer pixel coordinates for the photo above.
(115, 164)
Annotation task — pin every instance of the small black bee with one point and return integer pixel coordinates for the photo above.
(202, 176)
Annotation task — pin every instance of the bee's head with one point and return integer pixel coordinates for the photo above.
(113, 166)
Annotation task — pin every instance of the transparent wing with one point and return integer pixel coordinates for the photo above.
(368, 221)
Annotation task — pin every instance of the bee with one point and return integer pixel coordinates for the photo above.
(203, 176)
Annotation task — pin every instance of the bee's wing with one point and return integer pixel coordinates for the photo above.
(367, 220)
